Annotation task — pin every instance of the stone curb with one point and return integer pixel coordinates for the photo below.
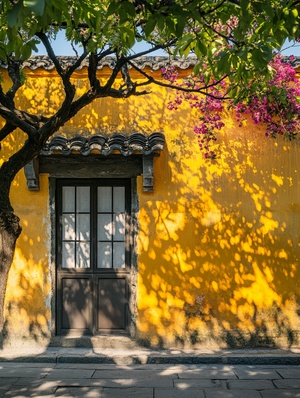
(163, 358)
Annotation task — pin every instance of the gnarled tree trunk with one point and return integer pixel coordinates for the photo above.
(9, 232)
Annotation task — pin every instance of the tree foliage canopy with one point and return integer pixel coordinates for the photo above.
(232, 40)
(235, 37)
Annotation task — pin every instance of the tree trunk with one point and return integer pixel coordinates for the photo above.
(9, 232)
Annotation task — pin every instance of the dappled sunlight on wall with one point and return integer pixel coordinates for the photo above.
(218, 240)
(219, 244)
(145, 114)
(27, 303)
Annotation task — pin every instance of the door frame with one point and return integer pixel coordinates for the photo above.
(76, 173)
(92, 275)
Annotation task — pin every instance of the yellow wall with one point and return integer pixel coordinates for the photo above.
(218, 246)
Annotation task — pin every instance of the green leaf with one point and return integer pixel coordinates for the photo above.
(26, 51)
(150, 26)
(198, 68)
(3, 55)
(129, 8)
(258, 59)
(160, 22)
(170, 23)
(223, 64)
(184, 44)
(126, 12)
(113, 8)
(13, 14)
(36, 6)
(200, 48)
(127, 36)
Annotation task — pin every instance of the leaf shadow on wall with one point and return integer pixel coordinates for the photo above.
(219, 247)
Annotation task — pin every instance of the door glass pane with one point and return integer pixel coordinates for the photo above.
(104, 199)
(119, 226)
(83, 227)
(68, 255)
(118, 255)
(68, 199)
(68, 226)
(119, 199)
(83, 199)
(82, 255)
(105, 227)
(104, 255)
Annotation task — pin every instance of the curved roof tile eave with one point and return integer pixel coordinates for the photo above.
(153, 62)
(126, 145)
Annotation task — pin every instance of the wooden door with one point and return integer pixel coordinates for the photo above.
(93, 256)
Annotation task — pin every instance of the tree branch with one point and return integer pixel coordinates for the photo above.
(15, 118)
(3, 99)
(14, 72)
(201, 90)
(7, 129)
(151, 50)
(119, 64)
(76, 64)
(92, 72)
(44, 39)
(130, 86)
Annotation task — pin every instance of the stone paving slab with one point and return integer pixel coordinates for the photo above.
(7, 381)
(127, 393)
(257, 373)
(32, 365)
(79, 392)
(107, 366)
(280, 394)
(287, 383)
(173, 393)
(86, 392)
(199, 383)
(55, 374)
(20, 392)
(132, 374)
(290, 373)
(250, 385)
(203, 373)
(232, 394)
(116, 383)
(24, 372)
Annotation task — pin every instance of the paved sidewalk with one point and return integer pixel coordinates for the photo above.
(51, 380)
(149, 356)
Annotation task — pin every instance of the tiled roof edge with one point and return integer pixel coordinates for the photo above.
(98, 144)
(154, 62)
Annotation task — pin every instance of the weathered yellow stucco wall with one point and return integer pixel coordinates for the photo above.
(218, 245)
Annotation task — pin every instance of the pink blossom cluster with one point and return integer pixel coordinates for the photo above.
(275, 103)
(210, 106)
(228, 27)
(170, 74)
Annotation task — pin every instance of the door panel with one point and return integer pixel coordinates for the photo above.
(76, 303)
(93, 255)
(112, 303)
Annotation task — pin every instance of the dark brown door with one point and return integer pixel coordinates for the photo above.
(93, 256)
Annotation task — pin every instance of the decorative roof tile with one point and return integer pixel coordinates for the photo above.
(98, 144)
(154, 62)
